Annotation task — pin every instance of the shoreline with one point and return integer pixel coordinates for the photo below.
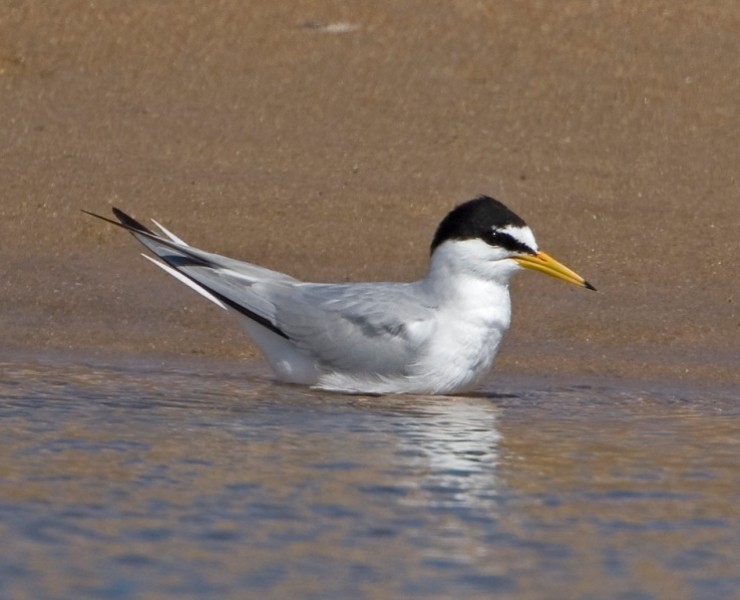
(249, 365)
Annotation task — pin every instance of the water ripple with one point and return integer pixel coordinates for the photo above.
(143, 481)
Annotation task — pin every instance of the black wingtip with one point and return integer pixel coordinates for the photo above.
(101, 217)
(588, 286)
(129, 221)
(124, 221)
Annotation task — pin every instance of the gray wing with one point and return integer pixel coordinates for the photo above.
(376, 328)
(227, 282)
(369, 328)
(172, 246)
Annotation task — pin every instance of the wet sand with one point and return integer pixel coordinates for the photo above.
(331, 151)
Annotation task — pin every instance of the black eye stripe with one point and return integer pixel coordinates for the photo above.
(507, 241)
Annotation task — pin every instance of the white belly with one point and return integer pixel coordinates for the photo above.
(462, 351)
(457, 354)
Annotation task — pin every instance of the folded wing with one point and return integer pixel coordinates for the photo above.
(364, 328)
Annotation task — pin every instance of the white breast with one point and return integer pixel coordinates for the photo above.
(468, 333)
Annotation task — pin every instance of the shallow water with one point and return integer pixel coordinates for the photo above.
(141, 481)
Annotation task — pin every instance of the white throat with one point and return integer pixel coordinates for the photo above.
(458, 267)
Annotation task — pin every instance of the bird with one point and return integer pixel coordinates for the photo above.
(437, 336)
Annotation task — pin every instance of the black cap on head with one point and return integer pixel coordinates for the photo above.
(480, 218)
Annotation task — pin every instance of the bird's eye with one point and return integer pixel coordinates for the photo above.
(494, 236)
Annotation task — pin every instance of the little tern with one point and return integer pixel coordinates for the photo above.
(438, 335)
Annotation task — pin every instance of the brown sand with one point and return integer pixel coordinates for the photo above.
(259, 131)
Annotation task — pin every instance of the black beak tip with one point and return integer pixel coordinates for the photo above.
(588, 286)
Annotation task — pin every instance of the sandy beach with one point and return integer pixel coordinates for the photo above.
(327, 139)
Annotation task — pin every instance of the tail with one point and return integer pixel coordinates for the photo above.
(226, 282)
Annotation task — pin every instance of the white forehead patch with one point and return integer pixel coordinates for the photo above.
(521, 234)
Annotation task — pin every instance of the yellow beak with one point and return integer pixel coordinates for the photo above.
(544, 263)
